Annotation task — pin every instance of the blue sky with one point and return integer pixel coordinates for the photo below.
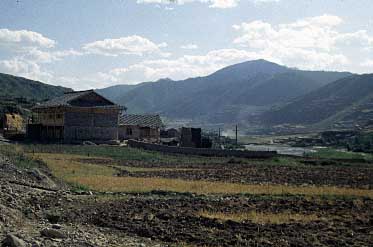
(96, 43)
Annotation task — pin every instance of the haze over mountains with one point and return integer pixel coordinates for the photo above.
(238, 93)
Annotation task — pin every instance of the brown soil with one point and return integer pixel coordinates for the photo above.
(173, 218)
(343, 176)
(31, 200)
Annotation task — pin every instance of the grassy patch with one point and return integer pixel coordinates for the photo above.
(120, 153)
(17, 156)
(78, 187)
(261, 217)
(330, 153)
(132, 154)
(285, 161)
(66, 166)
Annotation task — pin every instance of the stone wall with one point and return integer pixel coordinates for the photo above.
(202, 151)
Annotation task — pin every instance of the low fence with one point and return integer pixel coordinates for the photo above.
(201, 151)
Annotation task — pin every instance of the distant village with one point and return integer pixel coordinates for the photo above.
(89, 118)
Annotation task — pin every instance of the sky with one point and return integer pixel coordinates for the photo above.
(83, 44)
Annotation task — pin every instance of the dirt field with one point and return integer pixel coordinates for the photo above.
(187, 201)
(357, 177)
(177, 218)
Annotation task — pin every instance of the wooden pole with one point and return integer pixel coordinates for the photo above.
(236, 135)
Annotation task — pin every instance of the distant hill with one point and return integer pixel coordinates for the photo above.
(234, 93)
(19, 87)
(19, 94)
(348, 100)
(116, 91)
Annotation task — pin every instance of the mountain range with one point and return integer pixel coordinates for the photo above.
(255, 91)
(346, 100)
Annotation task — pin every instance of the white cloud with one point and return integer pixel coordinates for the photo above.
(180, 68)
(359, 38)
(27, 51)
(25, 68)
(212, 3)
(314, 32)
(266, 1)
(309, 43)
(40, 56)
(189, 46)
(134, 45)
(221, 4)
(21, 39)
(28, 63)
(368, 63)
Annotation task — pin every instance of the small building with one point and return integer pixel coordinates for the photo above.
(140, 127)
(191, 137)
(75, 117)
(12, 122)
(170, 137)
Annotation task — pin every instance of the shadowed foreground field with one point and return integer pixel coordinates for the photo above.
(199, 201)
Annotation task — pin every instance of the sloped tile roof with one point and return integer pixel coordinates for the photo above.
(65, 100)
(152, 121)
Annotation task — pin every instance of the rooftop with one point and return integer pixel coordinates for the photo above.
(66, 99)
(147, 120)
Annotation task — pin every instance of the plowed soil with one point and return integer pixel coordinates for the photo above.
(174, 218)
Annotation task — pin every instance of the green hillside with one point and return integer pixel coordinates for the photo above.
(19, 94)
(348, 100)
(19, 87)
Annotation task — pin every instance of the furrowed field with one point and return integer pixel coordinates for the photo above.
(200, 201)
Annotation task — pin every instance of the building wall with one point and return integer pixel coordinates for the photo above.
(135, 132)
(49, 118)
(40, 132)
(190, 137)
(91, 125)
(126, 132)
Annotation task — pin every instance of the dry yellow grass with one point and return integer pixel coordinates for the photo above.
(261, 217)
(66, 166)
(102, 178)
(132, 184)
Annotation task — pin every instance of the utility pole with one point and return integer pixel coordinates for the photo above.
(236, 135)
(219, 138)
